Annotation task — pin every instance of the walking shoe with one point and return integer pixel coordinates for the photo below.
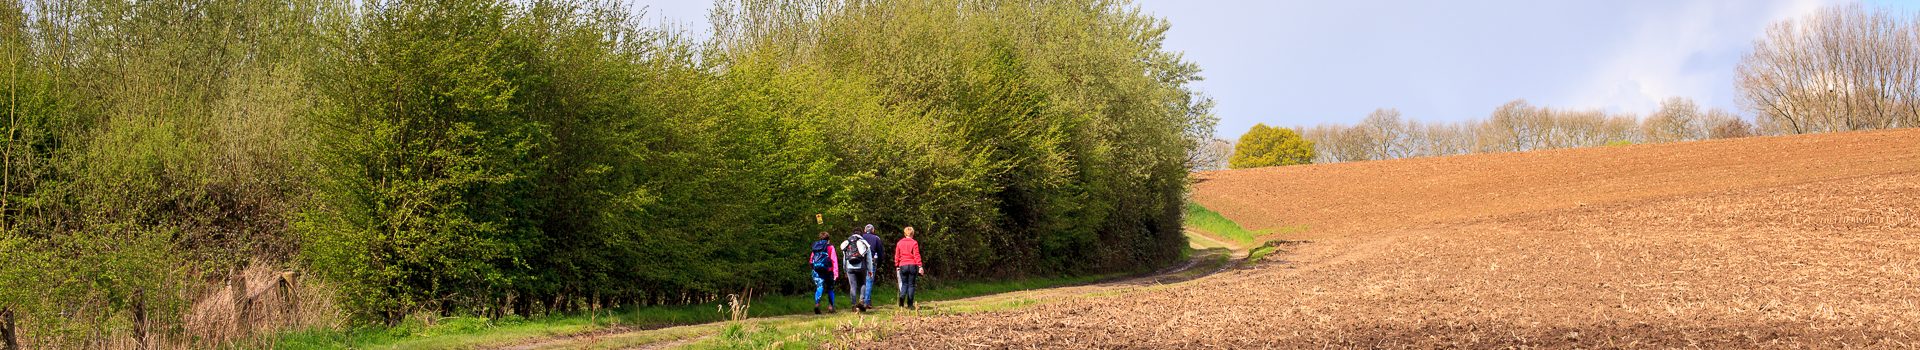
(816, 309)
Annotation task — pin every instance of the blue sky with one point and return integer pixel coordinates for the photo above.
(1291, 63)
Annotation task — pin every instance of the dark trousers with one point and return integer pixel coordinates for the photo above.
(909, 277)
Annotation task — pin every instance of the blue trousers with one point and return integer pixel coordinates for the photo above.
(866, 294)
(820, 286)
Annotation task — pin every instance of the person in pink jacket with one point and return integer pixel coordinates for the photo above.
(906, 260)
(824, 261)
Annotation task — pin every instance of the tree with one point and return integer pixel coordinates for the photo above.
(1264, 146)
(1842, 68)
(1511, 128)
(1390, 135)
(1725, 125)
(1212, 156)
(1677, 120)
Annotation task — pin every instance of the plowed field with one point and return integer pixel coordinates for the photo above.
(1778, 242)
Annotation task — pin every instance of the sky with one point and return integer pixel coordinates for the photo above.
(1299, 63)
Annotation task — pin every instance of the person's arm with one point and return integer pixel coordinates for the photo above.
(923, 259)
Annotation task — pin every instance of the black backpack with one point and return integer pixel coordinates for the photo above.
(857, 250)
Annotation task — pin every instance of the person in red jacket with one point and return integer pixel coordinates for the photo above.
(906, 259)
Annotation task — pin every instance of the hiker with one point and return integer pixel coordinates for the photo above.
(907, 271)
(826, 269)
(859, 263)
(873, 273)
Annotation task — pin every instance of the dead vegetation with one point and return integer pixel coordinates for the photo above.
(1778, 242)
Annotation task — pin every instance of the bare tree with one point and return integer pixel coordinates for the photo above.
(1842, 68)
(1355, 145)
(1388, 134)
(1211, 155)
(1677, 120)
(1510, 129)
(1446, 139)
(1722, 124)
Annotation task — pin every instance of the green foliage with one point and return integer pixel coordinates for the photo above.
(148, 145)
(488, 157)
(1212, 222)
(429, 169)
(1265, 146)
(1018, 139)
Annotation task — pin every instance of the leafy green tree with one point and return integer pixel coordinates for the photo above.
(492, 156)
(429, 165)
(1265, 146)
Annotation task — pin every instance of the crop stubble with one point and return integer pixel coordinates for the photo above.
(1790, 242)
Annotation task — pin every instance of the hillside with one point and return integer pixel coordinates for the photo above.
(1348, 197)
(1797, 241)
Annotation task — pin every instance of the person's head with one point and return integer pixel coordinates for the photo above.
(869, 228)
(908, 231)
(823, 234)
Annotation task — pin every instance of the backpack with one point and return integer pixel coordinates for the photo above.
(856, 257)
(822, 259)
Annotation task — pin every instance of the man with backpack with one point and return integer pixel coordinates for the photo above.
(824, 261)
(859, 261)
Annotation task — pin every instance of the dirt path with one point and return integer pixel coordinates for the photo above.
(1202, 240)
(1201, 264)
(1789, 242)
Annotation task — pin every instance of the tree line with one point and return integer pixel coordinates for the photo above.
(1842, 68)
(486, 157)
(1516, 126)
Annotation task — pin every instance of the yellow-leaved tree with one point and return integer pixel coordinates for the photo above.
(1265, 146)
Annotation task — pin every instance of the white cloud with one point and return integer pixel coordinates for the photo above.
(1657, 60)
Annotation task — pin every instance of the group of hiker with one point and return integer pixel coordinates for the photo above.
(858, 259)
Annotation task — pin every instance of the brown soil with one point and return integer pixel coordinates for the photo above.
(1780, 242)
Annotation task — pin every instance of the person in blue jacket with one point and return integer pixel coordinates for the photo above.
(879, 250)
(824, 260)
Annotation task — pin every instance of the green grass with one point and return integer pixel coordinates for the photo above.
(1204, 219)
(1200, 218)
(1260, 253)
(469, 332)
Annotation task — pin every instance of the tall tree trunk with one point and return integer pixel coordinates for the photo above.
(140, 329)
(8, 339)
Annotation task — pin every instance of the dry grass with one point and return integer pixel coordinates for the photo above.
(275, 301)
(1787, 242)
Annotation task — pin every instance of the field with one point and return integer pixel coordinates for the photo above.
(1787, 242)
